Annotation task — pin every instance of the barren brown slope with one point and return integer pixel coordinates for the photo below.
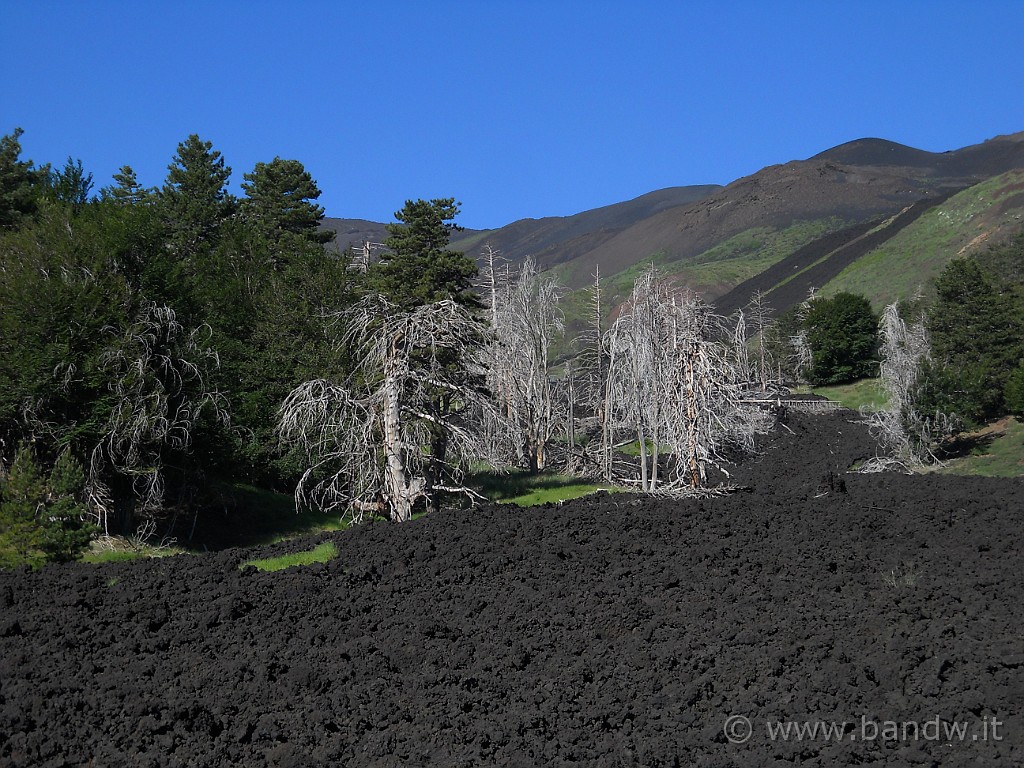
(354, 232)
(977, 161)
(551, 239)
(555, 239)
(856, 181)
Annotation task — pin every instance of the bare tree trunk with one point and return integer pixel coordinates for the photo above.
(396, 480)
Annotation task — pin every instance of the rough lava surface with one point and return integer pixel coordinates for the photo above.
(611, 631)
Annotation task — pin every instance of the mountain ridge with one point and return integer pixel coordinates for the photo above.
(853, 183)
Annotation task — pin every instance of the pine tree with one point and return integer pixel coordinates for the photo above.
(279, 202)
(43, 521)
(19, 182)
(418, 267)
(71, 184)
(66, 533)
(194, 200)
(24, 495)
(976, 333)
(126, 189)
(843, 336)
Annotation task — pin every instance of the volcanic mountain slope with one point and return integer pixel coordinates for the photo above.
(839, 206)
(557, 239)
(969, 222)
(551, 239)
(354, 232)
(788, 282)
(854, 182)
(893, 257)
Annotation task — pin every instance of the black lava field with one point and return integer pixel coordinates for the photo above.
(610, 631)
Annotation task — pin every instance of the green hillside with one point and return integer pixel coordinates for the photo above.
(744, 255)
(985, 213)
(732, 261)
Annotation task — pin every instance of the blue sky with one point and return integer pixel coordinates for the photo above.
(517, 109)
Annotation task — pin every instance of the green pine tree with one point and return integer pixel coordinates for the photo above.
(418, 267)
(66, 533)
(24, 497)
(976, 331)
(1014, 392)
(279, 202)
(71, 184)
(126, 189)
(20, 182)
(194, 200)
(843, 335)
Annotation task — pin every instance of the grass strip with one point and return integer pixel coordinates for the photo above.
(319, 554)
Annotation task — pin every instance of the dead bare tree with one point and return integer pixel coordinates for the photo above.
(759, 318)
(495, 279)
(590, 371)
(906, 436)
(525, 320)
(372, 440)
(802, 356)
(740, 349)
(159, 374)
(674, 387)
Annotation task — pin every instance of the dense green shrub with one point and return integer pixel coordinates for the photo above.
(843, 335)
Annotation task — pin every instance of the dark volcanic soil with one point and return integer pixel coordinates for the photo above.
(611, 631)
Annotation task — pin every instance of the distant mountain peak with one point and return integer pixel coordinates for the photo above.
(877, 152)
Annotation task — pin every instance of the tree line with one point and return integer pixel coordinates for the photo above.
(159, 344)
(148, 336)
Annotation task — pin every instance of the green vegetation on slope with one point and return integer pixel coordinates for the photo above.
(736, 259)
(1002, 457)
(912, 258)
(319, 554)
(715, 271)
(770, 243)
(863, 393)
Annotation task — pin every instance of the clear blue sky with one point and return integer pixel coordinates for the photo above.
(517, 109)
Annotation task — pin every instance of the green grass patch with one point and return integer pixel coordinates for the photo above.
(113, 556)
(126, 551)
(866, 393)
(526, 490)
(246, 517)
(633, 449)
(1002, 457)
(768, 243)
(319, 554)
